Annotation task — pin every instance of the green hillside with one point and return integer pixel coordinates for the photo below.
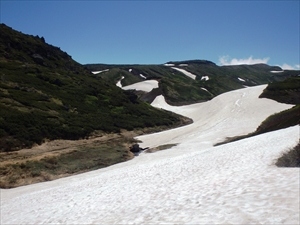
(46, 95)
(179, 89)
(286, 91)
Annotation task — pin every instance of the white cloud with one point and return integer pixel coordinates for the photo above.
(289, 67)
(226, 60)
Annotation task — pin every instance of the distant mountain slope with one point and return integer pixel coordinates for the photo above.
(179, 88)
(45, 94)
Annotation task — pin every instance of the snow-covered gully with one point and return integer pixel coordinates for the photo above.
(191, 183)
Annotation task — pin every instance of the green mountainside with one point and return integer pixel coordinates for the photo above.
(179, 89)
(45, 94)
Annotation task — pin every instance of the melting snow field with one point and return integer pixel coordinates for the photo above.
(191, 183)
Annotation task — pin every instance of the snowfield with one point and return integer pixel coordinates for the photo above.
(191, 183)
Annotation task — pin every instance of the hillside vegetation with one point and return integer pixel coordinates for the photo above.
(46, 95)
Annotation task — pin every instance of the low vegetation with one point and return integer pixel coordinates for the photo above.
(281, 120)
(290, 158)
(78, 159)
(286, 91)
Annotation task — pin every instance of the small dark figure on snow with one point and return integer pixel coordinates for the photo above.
(136, 149)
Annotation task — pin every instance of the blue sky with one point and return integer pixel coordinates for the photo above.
(154, 32)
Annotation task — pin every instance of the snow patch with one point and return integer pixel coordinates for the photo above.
(193, 76)
(275, 71)
(240, 79)
(101, 71)
(146, 86)
(205, 90)
(142, 76)
(130, 70)
(205, 78)
(183, 64)
(119, 82)
(169, 64)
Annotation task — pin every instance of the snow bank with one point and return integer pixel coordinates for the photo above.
(146, 86)
(205, 90)
(205, 78)
(142, 76)
(275, 71)
(191, 183)
(119, 82)
(185, 72)
(101, 71)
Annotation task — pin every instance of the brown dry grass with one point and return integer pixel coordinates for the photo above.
(61, 158)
